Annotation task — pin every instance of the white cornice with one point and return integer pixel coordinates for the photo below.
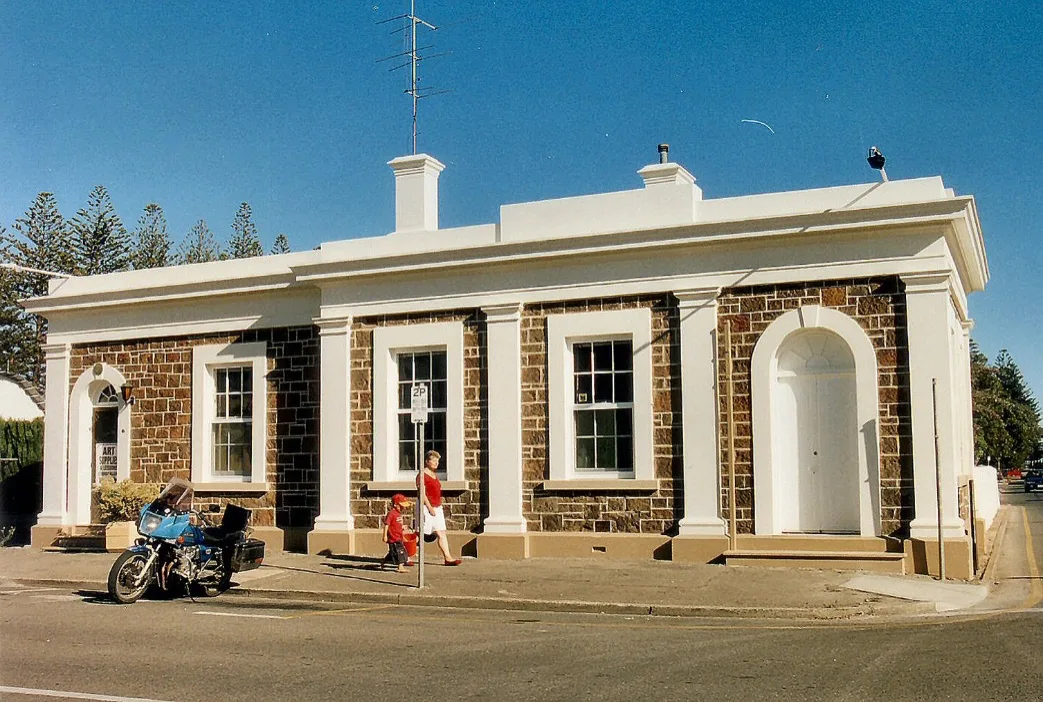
(244, 284)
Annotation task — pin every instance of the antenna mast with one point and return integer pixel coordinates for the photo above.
(414, 91)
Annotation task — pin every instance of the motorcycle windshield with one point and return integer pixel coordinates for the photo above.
(177, 495)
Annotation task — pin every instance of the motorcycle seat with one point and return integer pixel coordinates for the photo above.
(217, 536)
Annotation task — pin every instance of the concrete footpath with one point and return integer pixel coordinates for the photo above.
(560, 585)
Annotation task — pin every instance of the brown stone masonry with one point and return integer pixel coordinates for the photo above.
(462, 510)
(161, 420)
(640, 512)
(878, 305)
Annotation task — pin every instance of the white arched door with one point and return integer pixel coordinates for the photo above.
(816, 434)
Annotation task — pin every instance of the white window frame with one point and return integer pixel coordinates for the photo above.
(205, 360)
(563, 330)
(387, 343)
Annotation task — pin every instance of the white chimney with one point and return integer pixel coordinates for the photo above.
(416, 192)
(666, 173)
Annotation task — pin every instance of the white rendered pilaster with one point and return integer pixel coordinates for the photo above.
(334, 425)
(966, 409)
(503, 338)
(931, 359)
(702, 490)
(56, 432)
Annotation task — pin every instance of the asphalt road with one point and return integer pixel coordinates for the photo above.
(54, 640)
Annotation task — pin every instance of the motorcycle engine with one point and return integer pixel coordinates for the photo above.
(184, 558)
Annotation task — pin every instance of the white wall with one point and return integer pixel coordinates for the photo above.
(14, 403)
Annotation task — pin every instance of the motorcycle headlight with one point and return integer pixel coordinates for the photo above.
(149, 523)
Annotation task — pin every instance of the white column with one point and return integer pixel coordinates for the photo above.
(967, 407)
(503, 339)
(702, 488)
(931, 358)
(334, 425)
(56, 434)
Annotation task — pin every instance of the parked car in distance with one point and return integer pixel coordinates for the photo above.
(1014, 474)
(1033, 479)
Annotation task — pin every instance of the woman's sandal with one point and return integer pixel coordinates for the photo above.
(454, 562)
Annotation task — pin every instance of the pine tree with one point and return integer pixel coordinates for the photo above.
(281, 245)
(100, 241)
(1006, 415)
(199, 246)
(245, 242)
(152, 243)
(41, 240)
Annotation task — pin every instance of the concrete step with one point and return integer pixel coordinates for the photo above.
(89, 542)
(876, 562)
(817, 542)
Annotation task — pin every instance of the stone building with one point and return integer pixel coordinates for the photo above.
(576, 363)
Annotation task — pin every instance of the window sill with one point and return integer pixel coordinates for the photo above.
(231, 487)
(599, 485)
(407, 486)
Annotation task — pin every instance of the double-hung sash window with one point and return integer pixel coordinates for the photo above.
(599, 395)
(603, 407)
(422, 368)
(430, 354)
(232, 426)
(229, 433)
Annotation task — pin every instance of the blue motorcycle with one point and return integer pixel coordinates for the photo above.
(179, 552)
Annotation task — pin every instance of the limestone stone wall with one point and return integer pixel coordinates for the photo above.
(878, 305)
(161, 418)
(636, 512)
(462, 509)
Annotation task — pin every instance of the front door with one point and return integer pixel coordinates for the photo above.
(817, 434)
(105, 433)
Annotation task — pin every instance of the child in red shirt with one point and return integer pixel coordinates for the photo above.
(393, 534)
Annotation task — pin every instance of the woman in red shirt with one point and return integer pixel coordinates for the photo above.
(434, 520)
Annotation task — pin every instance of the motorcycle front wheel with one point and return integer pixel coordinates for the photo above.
(127, 577)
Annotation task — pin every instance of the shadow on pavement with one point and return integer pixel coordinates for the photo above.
(370, 567)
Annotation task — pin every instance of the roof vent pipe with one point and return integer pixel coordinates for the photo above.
(664, 153)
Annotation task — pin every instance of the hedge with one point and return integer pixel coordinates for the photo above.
(22, 440)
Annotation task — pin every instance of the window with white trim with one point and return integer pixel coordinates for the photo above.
(229, 395)
(233, 422)
(431, 354)
(603, 406)
(423, 368)
(599, 390)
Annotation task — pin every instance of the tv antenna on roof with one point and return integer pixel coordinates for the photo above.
(414, 91)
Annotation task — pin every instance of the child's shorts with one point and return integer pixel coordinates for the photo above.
(397, 553)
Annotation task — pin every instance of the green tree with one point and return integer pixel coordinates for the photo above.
(100, 241)
(152, 243)
(245, 242)
(41, 240)
(199, 246)
(281, 245)
(1006, 415)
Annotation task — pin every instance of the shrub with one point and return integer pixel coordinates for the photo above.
(122, 501)
(21, 440)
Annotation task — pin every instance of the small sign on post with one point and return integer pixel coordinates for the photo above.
(419, 412)
(418, 403)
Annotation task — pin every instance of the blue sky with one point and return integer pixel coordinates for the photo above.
(200, 106)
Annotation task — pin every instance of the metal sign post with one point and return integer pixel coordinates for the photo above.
(419, 413)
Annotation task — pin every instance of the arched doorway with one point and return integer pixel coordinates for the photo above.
(94, 406)
(816, 434)
(105, 435)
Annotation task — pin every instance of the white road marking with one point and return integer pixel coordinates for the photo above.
(236, 614)
(64, 694)
(27, 590)
(58, 598)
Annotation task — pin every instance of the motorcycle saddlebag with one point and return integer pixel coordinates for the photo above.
(247, 555)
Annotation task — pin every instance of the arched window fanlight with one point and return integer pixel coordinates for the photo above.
(108, 396)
